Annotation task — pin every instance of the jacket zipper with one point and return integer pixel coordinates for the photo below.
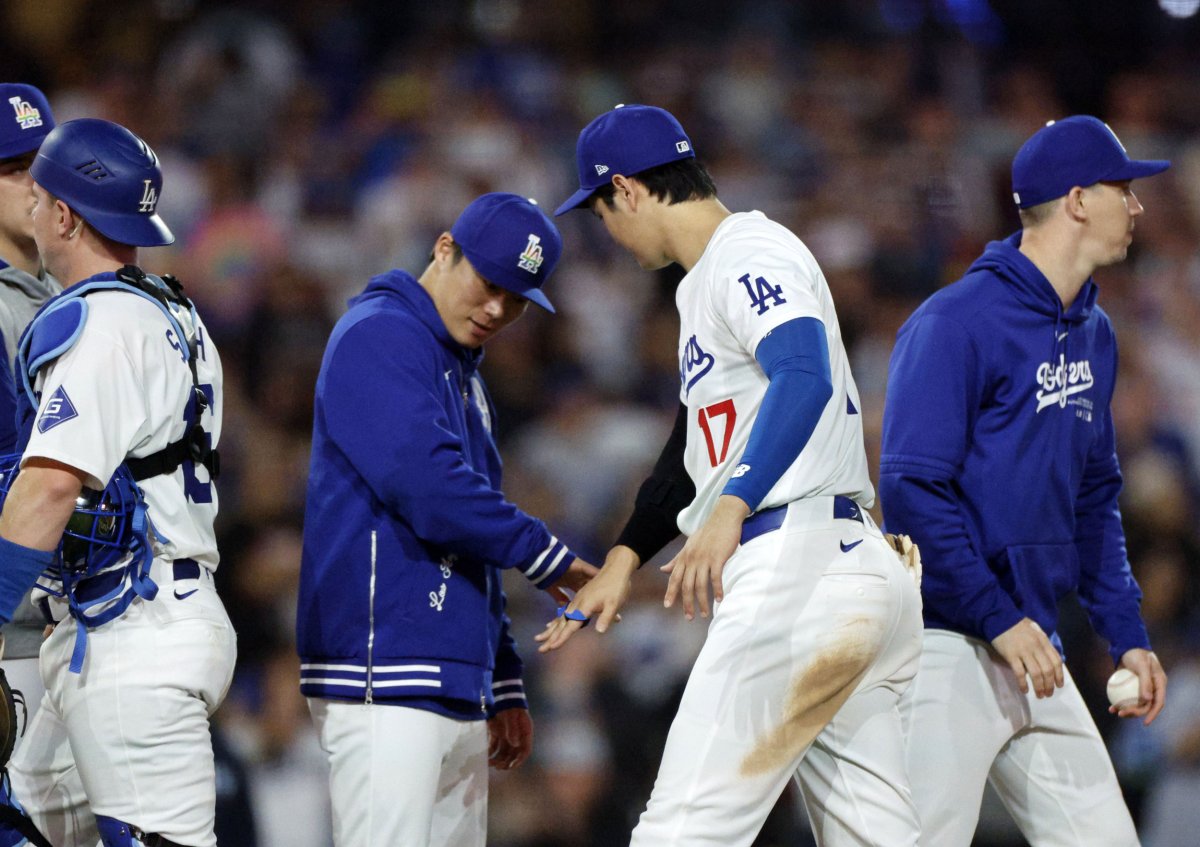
(371, 621)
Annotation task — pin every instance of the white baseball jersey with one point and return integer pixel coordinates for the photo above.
(154, 675)
(121, 391)
(754, 276)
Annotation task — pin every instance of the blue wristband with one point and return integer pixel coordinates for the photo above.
(20, 567)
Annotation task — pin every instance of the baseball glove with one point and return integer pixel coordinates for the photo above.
(908, 552)
(8, 719)
(8, 714)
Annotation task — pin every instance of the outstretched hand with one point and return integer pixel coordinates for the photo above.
(579, 574)
(1028, 651)
(700, 563)
(1152, 686)
(603, 596)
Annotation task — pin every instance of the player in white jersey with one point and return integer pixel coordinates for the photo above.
(120, 383)
(816, 628)
(723, 319)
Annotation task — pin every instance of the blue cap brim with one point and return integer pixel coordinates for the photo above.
(1138, 168)
(535, 295)
(495, 276)
(134, 230)
(575, 201)
(22, 146)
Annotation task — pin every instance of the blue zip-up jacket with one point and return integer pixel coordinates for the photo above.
(405, 529)
(999, 455)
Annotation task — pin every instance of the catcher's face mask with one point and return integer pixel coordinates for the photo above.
(99, 533)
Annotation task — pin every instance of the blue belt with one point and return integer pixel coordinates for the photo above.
(101, 584)
(769, 520)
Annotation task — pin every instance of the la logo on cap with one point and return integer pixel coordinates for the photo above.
(531, 259)
(27, 116)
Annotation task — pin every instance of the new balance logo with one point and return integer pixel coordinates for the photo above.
(27, 116)
(149, 198)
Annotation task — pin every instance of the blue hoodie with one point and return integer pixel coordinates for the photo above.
(999, 456)
(405, 528)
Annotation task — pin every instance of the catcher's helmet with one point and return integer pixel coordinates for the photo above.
(105, 526)
(109, 176)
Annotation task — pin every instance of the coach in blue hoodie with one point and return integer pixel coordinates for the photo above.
(411, 675)
(999, 459)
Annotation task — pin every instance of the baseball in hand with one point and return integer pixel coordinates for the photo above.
(1123, 688)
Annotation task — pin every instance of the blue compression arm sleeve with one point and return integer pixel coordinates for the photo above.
(19, 570)
(795, 358)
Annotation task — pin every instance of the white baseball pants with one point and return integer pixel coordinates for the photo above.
(967, 722)
(128, 738)
(403, 776)
(800, 677)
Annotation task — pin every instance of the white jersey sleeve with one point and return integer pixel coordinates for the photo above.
(123, 389)
(773, 285)
(754, 276)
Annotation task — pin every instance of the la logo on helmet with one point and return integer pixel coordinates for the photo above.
(27, 116)
(149, 198)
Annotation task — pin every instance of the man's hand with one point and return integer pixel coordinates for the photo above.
(578, 575)
(510, 738)
(603, 596)
(909, 553)
(1028, 651)
(1152, 685)
(703, 557)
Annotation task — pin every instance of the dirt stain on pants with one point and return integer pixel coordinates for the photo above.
(814, 698)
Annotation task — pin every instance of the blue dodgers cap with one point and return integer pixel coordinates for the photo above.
(25, 121)
(510, 242)
(1079, 150)
(626, 140)
(109, 176)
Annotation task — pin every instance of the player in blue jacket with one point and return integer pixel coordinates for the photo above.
(404, 643)
(999, 459)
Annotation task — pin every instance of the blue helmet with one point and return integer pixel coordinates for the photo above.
(109, 176)
(104, 528)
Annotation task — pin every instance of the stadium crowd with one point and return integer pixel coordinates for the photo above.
(311, 144)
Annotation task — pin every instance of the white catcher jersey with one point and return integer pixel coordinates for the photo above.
(122, 390)
(754, 276)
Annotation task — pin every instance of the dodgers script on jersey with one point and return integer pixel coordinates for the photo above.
(754, 276)
(140, 390)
